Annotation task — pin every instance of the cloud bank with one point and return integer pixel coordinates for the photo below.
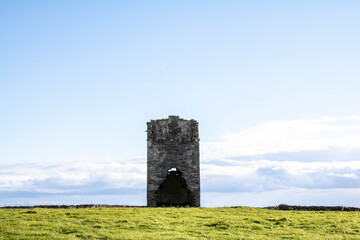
(316, 160)
(74, 177)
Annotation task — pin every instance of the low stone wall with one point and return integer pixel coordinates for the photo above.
(313, 208)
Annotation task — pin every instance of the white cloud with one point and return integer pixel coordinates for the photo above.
(288, 136)
(69, 176)
(265, 175)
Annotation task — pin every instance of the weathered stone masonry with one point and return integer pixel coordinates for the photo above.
(173, 175)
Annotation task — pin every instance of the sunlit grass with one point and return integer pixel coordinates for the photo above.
(176, 223)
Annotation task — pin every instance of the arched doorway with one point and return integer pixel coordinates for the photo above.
(174, 191)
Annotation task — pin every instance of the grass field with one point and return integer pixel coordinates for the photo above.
(176, 223)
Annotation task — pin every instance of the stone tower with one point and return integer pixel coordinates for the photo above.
(173, 175)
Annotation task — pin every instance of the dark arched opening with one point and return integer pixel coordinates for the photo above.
(174, 191)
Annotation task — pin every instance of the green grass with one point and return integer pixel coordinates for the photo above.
(176, 223)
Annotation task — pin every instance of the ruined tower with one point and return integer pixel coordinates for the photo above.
(173, 175)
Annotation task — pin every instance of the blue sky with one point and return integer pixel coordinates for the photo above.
(273, 84)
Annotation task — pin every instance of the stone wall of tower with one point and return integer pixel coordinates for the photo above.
(172, 143)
